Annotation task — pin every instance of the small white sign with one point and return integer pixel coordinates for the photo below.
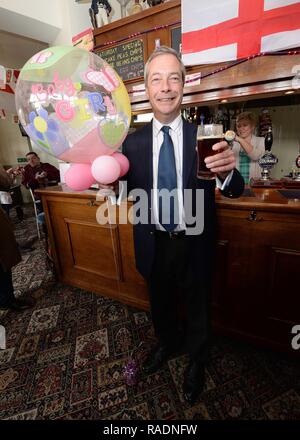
(2, 338)
(138, 90)
(194, 79)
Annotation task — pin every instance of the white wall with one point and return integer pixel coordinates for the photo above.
(14, 53)
(65, 34)
(54, 22)
(37, 19)
(40, 10)
(16, 50)
(79, 16)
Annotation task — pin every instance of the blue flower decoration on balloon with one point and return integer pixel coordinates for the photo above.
(46, 132)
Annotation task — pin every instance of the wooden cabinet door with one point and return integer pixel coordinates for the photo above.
(96, 257)
(83, 247)
(233, 277)
(256, 288)
(277, 262)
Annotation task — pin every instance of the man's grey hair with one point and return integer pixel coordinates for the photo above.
(163, 50)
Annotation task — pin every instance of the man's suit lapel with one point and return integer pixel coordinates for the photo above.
(189, 150)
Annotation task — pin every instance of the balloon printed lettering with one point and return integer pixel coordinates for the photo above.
(110, 106)
(58, 88)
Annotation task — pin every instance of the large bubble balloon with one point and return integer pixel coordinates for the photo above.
(72, 104)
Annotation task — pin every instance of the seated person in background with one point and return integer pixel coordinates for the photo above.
(37, 174)
(247, 148)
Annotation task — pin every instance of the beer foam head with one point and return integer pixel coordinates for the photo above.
(213, 136)
(212, 131)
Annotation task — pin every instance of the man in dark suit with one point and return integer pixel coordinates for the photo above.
(178, 252)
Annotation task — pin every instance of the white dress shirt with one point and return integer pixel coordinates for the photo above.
(176, 133)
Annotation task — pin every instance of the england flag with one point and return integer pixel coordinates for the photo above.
(222, 30)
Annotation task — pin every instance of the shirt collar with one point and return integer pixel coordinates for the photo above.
(175, 125)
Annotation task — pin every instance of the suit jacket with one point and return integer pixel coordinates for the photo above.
(138, 149)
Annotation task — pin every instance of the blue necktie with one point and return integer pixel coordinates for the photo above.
(167, 180)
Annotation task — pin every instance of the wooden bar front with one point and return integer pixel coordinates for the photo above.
(256, 287)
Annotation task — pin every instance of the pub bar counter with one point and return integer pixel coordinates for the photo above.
(256, 281)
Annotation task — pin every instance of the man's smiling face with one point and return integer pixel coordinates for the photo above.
(164, 87)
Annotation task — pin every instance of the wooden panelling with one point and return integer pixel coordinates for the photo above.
(101, 253)
(262, 292)
(95, 257)
(220, 282)
(281, 285)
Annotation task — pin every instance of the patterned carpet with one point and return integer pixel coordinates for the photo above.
(65, 359)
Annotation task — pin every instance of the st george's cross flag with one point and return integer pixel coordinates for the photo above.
(224, 30)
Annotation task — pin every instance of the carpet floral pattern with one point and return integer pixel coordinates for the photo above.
(35, 268)
(64, 359)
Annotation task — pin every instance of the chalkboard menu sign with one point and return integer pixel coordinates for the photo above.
(127, 59)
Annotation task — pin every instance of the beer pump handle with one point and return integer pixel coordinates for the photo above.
(269, 140)
(229, 137)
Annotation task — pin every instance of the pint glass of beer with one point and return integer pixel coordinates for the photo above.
(207, 136)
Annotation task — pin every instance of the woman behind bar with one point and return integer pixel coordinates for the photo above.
(247, 147)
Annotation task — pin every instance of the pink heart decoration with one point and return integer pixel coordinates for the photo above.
(41, 57)
(104, 77)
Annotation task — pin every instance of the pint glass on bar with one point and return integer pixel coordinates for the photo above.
(207, 136)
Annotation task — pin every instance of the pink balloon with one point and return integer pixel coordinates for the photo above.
(123, 162)
(106, 169)
(79, 177)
